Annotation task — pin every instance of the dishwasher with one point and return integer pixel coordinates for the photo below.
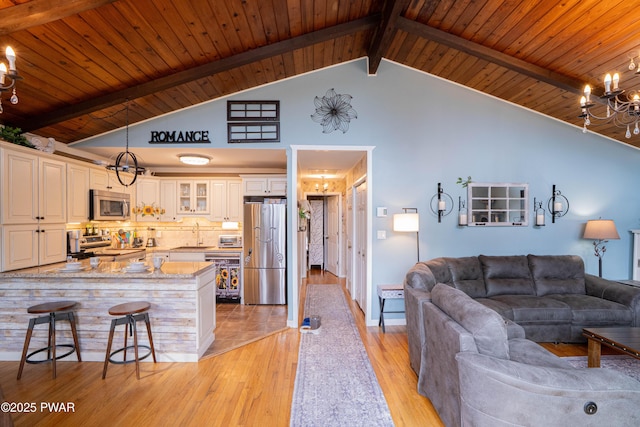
(228, 275)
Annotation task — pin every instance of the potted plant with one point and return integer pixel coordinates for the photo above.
(15, 136)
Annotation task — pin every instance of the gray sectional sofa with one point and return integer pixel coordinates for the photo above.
(480, 370)
(538, 298)
(550, 296)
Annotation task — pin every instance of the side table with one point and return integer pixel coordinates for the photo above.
(386, 292)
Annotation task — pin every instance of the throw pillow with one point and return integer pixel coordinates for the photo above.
(487, 327)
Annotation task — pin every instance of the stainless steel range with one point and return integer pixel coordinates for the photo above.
(101, 246)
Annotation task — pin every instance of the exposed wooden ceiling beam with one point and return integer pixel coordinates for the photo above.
(39, 12)
(539, 73)
(385, 32)
(201, 71)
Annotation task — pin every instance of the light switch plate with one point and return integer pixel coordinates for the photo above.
(382, 234)
(381, 212)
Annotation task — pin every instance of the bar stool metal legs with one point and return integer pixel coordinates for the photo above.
(56, 311)
(133, 312)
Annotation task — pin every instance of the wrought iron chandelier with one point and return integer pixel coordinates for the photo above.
(11, 74)
(126, 161)
(622, 109)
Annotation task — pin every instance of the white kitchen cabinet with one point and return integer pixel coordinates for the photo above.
(226, 200)
(29, 245)
(193, 197)
(265, 186)
(168, 200)
(34, 189)
(186, 256)
(206, 317)
(77, 193)
(34, 208)
(206, 312)
(104, 179)
(148, 194)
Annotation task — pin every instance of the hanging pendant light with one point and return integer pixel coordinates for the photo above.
(126, 161)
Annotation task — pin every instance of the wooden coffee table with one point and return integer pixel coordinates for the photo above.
(623, 339)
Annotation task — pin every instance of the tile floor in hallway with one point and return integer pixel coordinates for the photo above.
(238, 325)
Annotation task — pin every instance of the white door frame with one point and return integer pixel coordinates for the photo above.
(341, 230)
(293, 219)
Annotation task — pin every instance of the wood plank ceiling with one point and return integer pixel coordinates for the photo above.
(81, 60)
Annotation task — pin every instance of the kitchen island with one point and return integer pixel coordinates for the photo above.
(182, 297)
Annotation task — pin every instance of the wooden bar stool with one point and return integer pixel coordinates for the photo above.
(56, 311)
(133, 312)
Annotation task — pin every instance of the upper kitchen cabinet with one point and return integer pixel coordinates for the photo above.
(77, 193)
(104, 179)
(226, 200)
(148, 196)
(168, 200)
(273, 185)
(193, 197)
(34, 188)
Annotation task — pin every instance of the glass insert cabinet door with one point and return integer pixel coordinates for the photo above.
(193, 197)
(498, 204)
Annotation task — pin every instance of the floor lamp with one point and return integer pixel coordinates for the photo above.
(408, 221)
(600, 231)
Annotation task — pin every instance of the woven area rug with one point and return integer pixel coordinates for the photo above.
(335, 382)
(625, 364)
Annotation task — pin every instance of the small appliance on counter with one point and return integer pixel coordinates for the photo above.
(151, 240)
(230, 241)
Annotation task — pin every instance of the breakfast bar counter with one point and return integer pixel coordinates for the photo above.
(182, 297)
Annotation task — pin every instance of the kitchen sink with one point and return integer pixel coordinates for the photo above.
(193, 248)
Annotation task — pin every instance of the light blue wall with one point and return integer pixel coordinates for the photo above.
(427, 130)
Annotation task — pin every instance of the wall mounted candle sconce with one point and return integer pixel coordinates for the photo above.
(441, 203)
(539, 213)
(462, 213)
(558, 204)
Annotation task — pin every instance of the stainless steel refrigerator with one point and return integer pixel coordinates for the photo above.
(265, 256)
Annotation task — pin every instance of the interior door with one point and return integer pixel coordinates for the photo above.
(333, 236)
(361, 246)
(349, 243)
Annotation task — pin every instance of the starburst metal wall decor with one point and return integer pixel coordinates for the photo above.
(334, 111)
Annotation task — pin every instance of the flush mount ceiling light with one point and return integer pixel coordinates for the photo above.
(194, 159)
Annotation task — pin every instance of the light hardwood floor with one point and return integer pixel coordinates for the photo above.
(249, 386)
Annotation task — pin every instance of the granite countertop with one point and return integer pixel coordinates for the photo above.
(114, 269)
(206, 249)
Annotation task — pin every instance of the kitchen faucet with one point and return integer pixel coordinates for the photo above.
(196, 230)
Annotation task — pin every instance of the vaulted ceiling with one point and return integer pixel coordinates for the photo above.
(81, 60)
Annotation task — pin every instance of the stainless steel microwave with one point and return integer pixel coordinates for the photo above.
(109, 206)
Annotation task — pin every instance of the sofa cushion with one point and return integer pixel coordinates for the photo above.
(531, 309)
(507, 275)
(440, 270)
(487, 327)
(592, 311)
(466, 274)
(528, 352)
(420, 277)
(557, 274)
